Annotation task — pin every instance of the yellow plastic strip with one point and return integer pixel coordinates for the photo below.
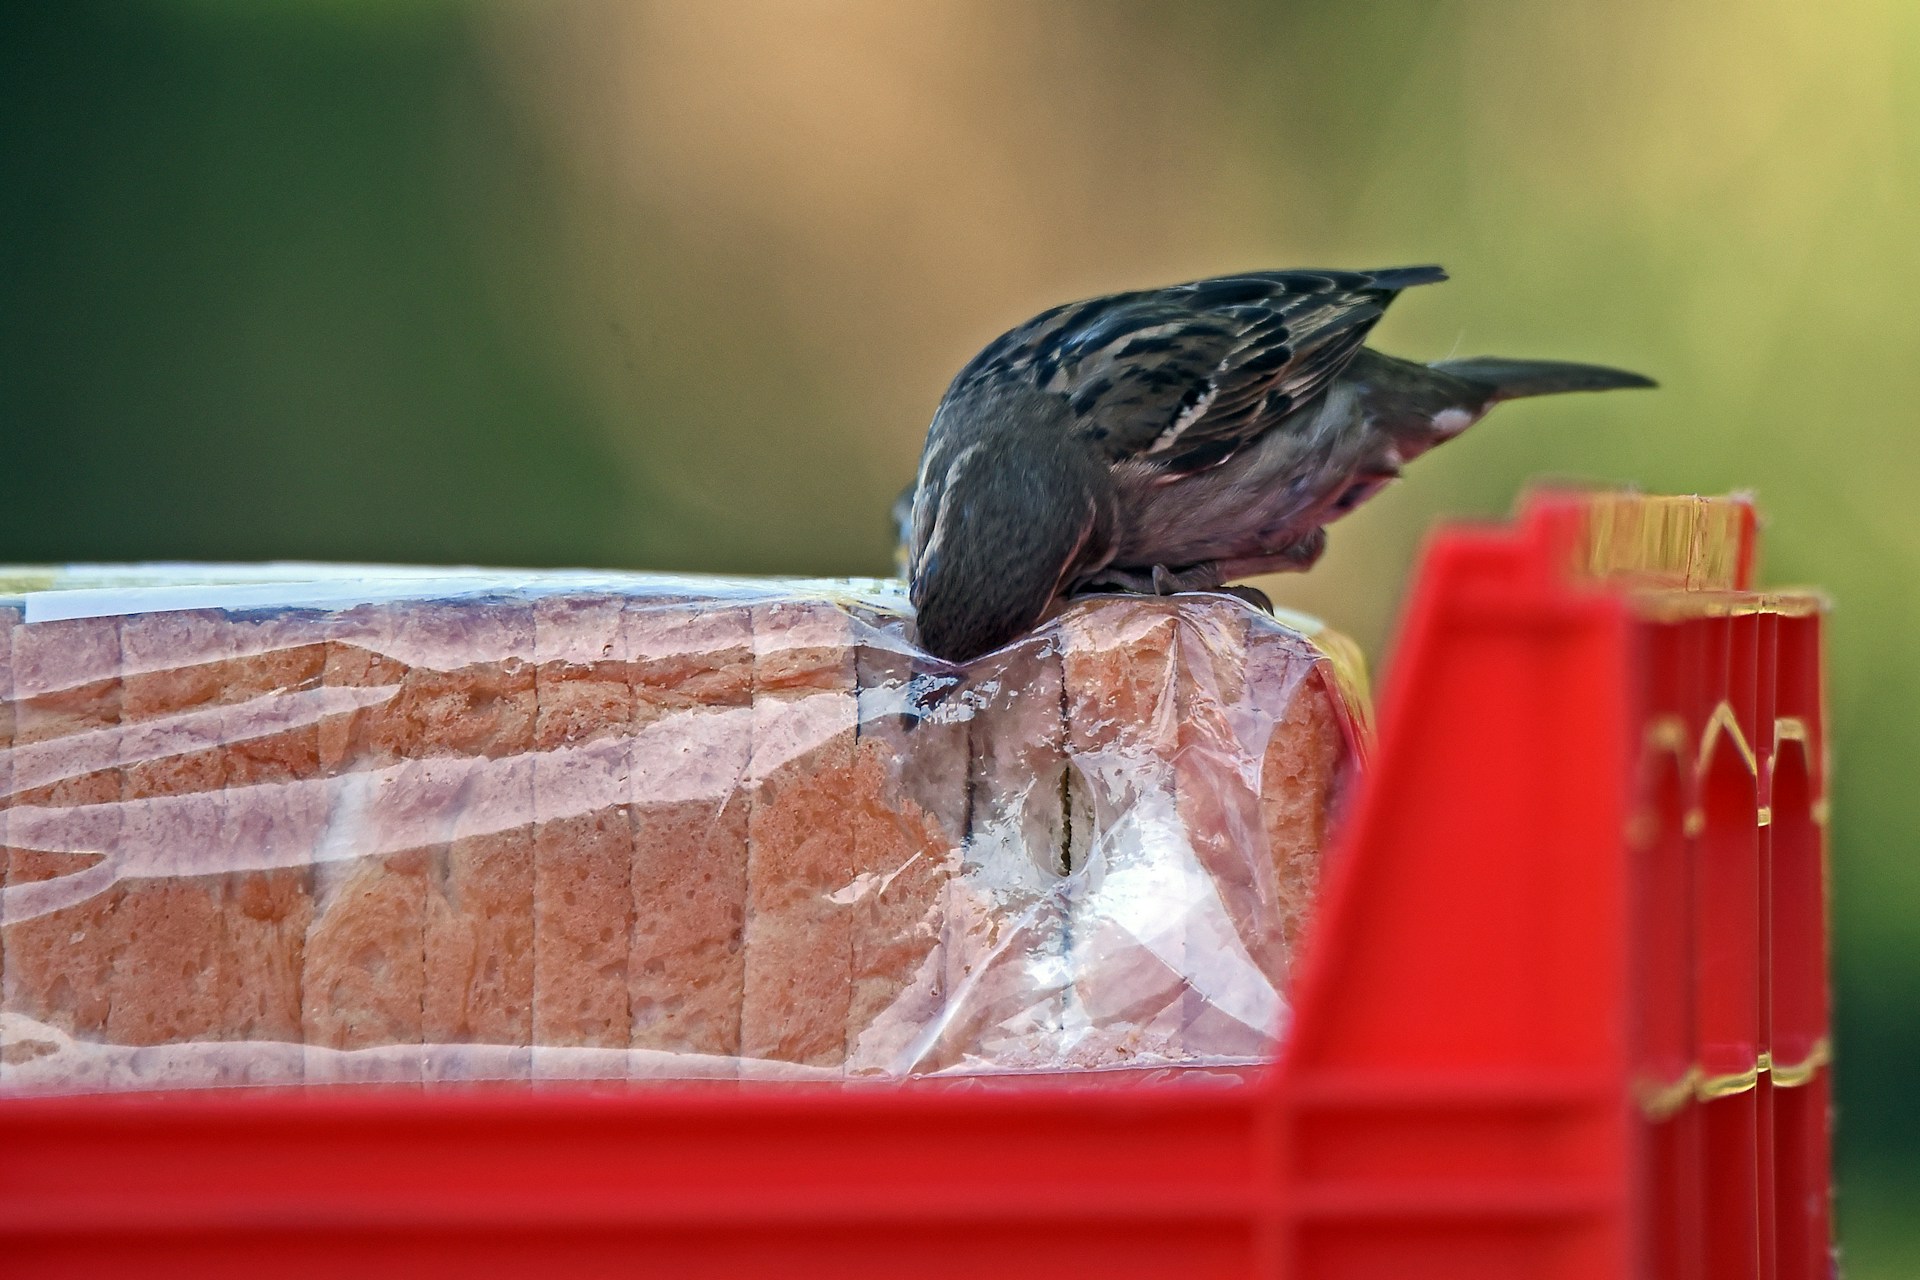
(1722, 724)
(1707, 1088)
(1793, 1075)
(1659, 1101)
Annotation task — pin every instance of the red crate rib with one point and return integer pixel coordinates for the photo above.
(1562, 1013)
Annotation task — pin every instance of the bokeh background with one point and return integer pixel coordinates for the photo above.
(678, 285)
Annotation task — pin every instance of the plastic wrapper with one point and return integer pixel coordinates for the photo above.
(285, 825)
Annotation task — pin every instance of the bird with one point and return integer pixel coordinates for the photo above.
(1176, 439)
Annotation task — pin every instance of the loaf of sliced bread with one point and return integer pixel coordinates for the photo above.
(632, 828)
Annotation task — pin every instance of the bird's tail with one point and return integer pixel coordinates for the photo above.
(1513, 379)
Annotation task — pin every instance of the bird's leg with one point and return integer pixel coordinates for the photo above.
(1122, 580)
(1205, 576)
(1295, 557)
(1162, 581)
(1158, 580)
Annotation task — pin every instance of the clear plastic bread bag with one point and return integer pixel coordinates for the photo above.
(289, 825)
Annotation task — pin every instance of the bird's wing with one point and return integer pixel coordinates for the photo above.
(1184, 377)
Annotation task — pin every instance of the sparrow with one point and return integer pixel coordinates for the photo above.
(1176, 439)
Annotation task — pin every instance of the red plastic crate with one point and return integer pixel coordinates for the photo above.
(1562, 1014)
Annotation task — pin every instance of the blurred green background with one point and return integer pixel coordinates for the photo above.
(678, 286)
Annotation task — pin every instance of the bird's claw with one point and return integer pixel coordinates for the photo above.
(1251, 595)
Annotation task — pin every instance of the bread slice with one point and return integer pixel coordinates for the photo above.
(66, 687)
(1004, 943)
(693, 718)
(909, 812)
(1129, 925)
(363, 983)
(479, 938)
(170, 963)
(582, 837)
(1304, 762)
(799, 925)
(273, 822)
(1236, 949)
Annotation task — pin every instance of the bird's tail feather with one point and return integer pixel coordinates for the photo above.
(1514, 379)
(1398, 278)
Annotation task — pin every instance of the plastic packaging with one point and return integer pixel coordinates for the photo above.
(280, 824)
